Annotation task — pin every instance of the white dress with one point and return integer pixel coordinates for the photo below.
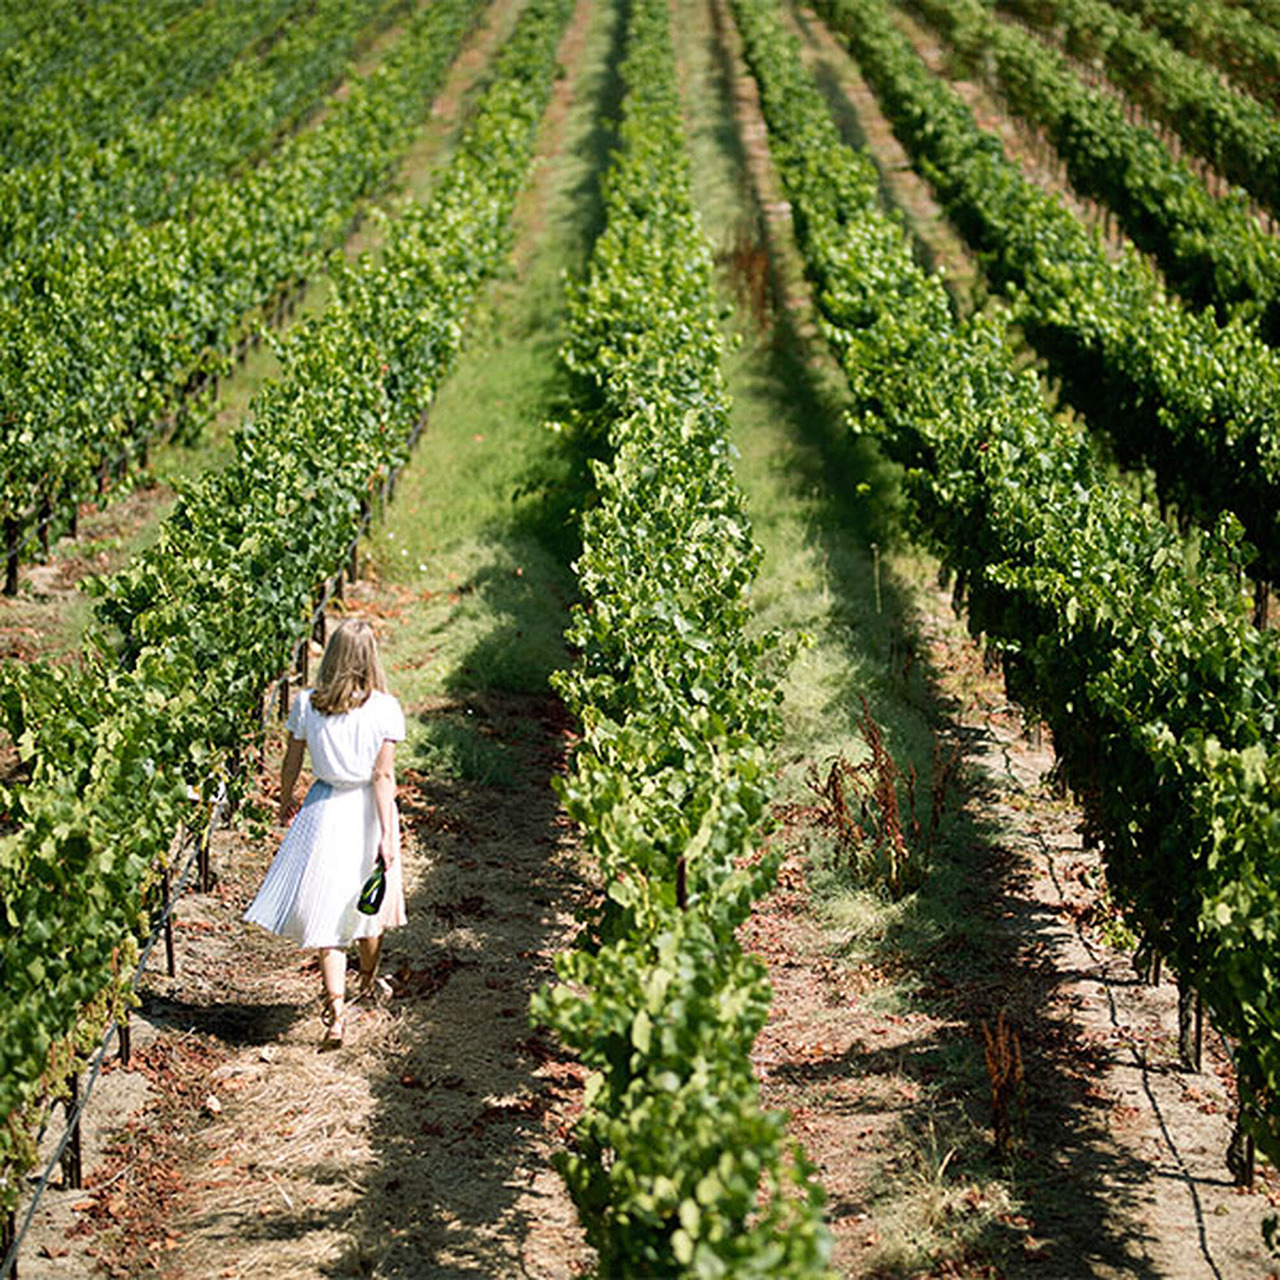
(314, 881)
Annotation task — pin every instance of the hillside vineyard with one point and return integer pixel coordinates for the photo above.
(1087, 443)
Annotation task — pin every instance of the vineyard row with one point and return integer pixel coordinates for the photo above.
(193, 631)
(1232, 131)
(1196, 402)
(86, 76)
(676, 1169)
(1138, 647)
(1235, 40)
(1212, 251)
(157, 167)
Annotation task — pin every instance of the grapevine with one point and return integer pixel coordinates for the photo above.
(197, 627)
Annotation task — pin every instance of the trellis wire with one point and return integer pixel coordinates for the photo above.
(9, 1267)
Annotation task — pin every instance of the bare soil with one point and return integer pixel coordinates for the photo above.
(234, 1146)
(1117, 1165)
(46, 618)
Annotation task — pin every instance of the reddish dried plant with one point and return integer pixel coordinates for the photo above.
(876, 834)
(1004, 1071)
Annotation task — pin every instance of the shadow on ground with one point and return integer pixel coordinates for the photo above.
(235, 1024)
(459, 1121)
(972, 943)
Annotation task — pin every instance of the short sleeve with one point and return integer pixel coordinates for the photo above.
(297, 720)
(392, 720)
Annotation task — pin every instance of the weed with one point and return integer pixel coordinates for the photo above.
(931, 1167)
(938, 1214)
(1114, 931)
(862, 810)
(1105, 915)
(1004, 1071)
(751, 269)
(946, 763)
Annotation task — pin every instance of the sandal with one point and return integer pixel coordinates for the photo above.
(372, 990)
(332, 1038)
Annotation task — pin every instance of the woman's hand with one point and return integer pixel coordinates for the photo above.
(290, 767)
(387, 848)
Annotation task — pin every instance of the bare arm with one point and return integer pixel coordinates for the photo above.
(290, 767)
(384, 798)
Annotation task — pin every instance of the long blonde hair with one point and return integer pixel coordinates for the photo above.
(349, 671)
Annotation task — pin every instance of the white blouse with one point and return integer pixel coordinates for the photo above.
(343, 747)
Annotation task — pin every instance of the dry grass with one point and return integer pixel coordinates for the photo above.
(426, 1135)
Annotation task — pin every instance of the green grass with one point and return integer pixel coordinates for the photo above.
(476, 536)
(822, 501)
(482, 531)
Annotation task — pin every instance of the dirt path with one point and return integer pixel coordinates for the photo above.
(419, 1148)
(232, 1147)
(876, 1043)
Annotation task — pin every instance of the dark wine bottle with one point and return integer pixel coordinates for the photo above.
(375, 888)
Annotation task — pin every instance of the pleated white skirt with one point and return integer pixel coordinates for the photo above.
(313, 883)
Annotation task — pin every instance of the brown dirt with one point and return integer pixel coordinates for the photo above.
(422, 1146)
(1118, 1163)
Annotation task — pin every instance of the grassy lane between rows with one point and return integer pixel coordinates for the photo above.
(468, 580)
(836, 571)
(876, 1041)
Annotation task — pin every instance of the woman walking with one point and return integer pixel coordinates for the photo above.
(348, 823)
